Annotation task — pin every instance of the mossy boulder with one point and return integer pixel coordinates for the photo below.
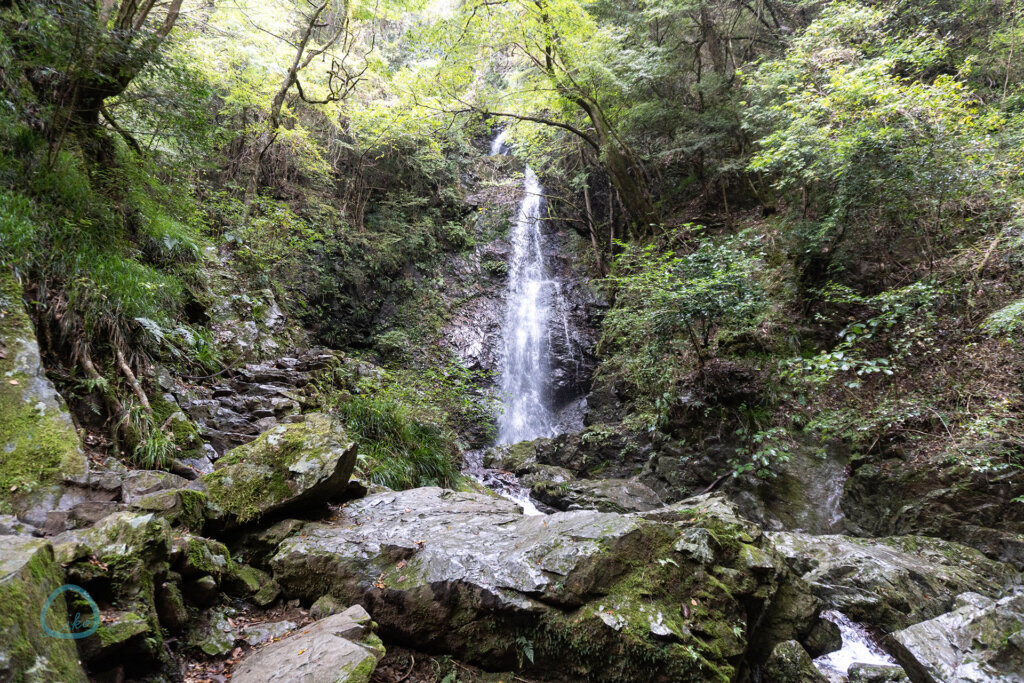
(182, 508)
(789, 662)
(124, 561)
(253, 584)
(605, 495)
(39, 446)
(341, 648)
(213, 633)
(673, 594)
(139, 483)
(29, 573)
(290, 465)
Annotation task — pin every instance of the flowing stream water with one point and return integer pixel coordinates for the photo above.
(859, 647)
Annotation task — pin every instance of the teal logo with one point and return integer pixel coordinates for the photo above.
(77, 626)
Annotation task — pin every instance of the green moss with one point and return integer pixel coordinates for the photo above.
(246, 498)
(36, 446)
(361, 672)
(23, 644)
(206, 556)
(127, 626)
(256, 477)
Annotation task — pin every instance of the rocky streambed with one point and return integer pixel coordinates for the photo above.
(265, 560)
(197, 571)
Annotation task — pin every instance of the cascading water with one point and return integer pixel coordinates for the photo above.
(525, 364)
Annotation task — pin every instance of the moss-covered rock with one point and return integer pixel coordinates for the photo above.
(290, 465)
(213, 633)
(672, 594)
(253, 584)
(122, 560)
(182, 508)
(891, 583)
(790, 663)
(39, 446)
(28, 575)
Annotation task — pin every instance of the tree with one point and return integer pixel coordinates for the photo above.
(662, 295)
(864, 129)
(551, 51)
(76, 54)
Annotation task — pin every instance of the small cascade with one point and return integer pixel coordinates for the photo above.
(532, 294)
(859, 647)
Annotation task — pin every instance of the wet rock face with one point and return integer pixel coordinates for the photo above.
(790, 662)
(981, 640)
(476, 290)
(337, 649)
(891, 583)
(590, 595)
(38, 442)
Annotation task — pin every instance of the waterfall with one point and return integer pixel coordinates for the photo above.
(526, 352)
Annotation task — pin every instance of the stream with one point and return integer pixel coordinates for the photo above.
(859, 647)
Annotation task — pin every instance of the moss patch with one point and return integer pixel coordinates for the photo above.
(37, 444)
(25, 650)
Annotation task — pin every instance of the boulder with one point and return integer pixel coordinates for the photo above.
(938, 497)
(982, 639)
(213, 633)
(877, 673)
(891, 583)
(289, 466)
(338, 649)
(790, 663)
(586, 594)
(605, 495)
(139, 483)
(28, 576)
(124, 558)
(39, 447)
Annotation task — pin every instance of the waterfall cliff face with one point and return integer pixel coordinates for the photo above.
(526, 353)
(525, 379)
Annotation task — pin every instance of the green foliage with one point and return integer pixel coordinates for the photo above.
(903, 323)
(666, 296)
(1007, 321)
(396, 450)
(859, 117)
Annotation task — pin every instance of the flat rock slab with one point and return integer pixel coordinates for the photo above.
(981, 640)
(669, 595)
(338, 649)
(892, 582)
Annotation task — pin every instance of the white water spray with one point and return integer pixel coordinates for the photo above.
(526, 353)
